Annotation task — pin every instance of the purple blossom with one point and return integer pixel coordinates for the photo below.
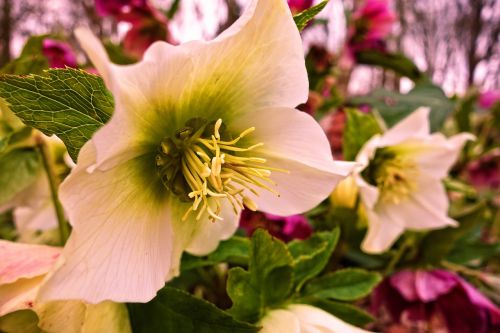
(489, 98)
(485, 171)
(59, 54)
(416, 297)
(286, 228)
(297, 6)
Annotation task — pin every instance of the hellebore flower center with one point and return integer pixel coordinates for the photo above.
(202, 161)
(394, 174)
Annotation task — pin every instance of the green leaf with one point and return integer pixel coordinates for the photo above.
(359, 128)
(344, 311)
(30, 61)
(19, 168)
(393, 107)
(235, 250)
(397, 62)
(346, 285)
(312, 255)
(174, 311)
(438, 244)
(307, 15)
(70, 103)
(267, 282)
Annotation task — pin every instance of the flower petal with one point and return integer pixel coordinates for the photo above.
(312, 317)
(121, 241)
(280, 321)
(21, 261)
(294, 141)
(441, 154)
(383, 230)
(208, 234)
(426, 208)
(416, 125)
(19, 295)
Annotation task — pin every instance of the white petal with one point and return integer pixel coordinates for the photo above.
(19, 261)
(212, 79)
(440, 154)
(107, 317)
(427, 208)
(280, 321)
(383, 230)
(61, 316)
(310, 316)
(121, 241)
(416, 125)
(208, 234)
(294, 141)
(19, 295)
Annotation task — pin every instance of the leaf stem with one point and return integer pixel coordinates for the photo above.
(53, 184)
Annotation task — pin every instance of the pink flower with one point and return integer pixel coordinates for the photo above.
(286, 228)
(370, 25)
(489, 98)
(427, 297)
(297, 6)
(59, 54)
(485, 171)
(148, 23)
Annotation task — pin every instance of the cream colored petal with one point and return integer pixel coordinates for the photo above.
(208, 234)
(311, 318)
(19, 295)
(61, 316)
(106, 317)
(19, 261)
(280, 321)
(416, 125)
(440, 153)
(383, 230)
(427, 208)
(293, 141)
(121, 241)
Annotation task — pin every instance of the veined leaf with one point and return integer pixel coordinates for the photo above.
(307, 15)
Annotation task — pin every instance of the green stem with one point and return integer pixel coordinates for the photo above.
(53, 184)
(396, 258)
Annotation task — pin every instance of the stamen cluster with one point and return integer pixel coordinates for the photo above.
(203, 165)
(394, 174)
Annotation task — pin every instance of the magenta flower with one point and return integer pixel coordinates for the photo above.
(59, 54)
(286, 228)
(297, 6)
(427, 297)
(489, 98)
(370, 25)
(148, 23)
(485, 171)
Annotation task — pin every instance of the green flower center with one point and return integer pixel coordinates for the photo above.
(202, 161)
(394, 174)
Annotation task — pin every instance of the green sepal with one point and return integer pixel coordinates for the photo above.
(307, 15)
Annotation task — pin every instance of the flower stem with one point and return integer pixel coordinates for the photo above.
(398, 255)
(53, 184)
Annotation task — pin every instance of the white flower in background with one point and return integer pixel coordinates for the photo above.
(301, 318)
(199, 131)
(400, 180)
(22, 270)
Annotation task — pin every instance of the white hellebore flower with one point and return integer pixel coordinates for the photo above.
(400, 179)
(23, 268)
(199, 131)
(301, 318)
